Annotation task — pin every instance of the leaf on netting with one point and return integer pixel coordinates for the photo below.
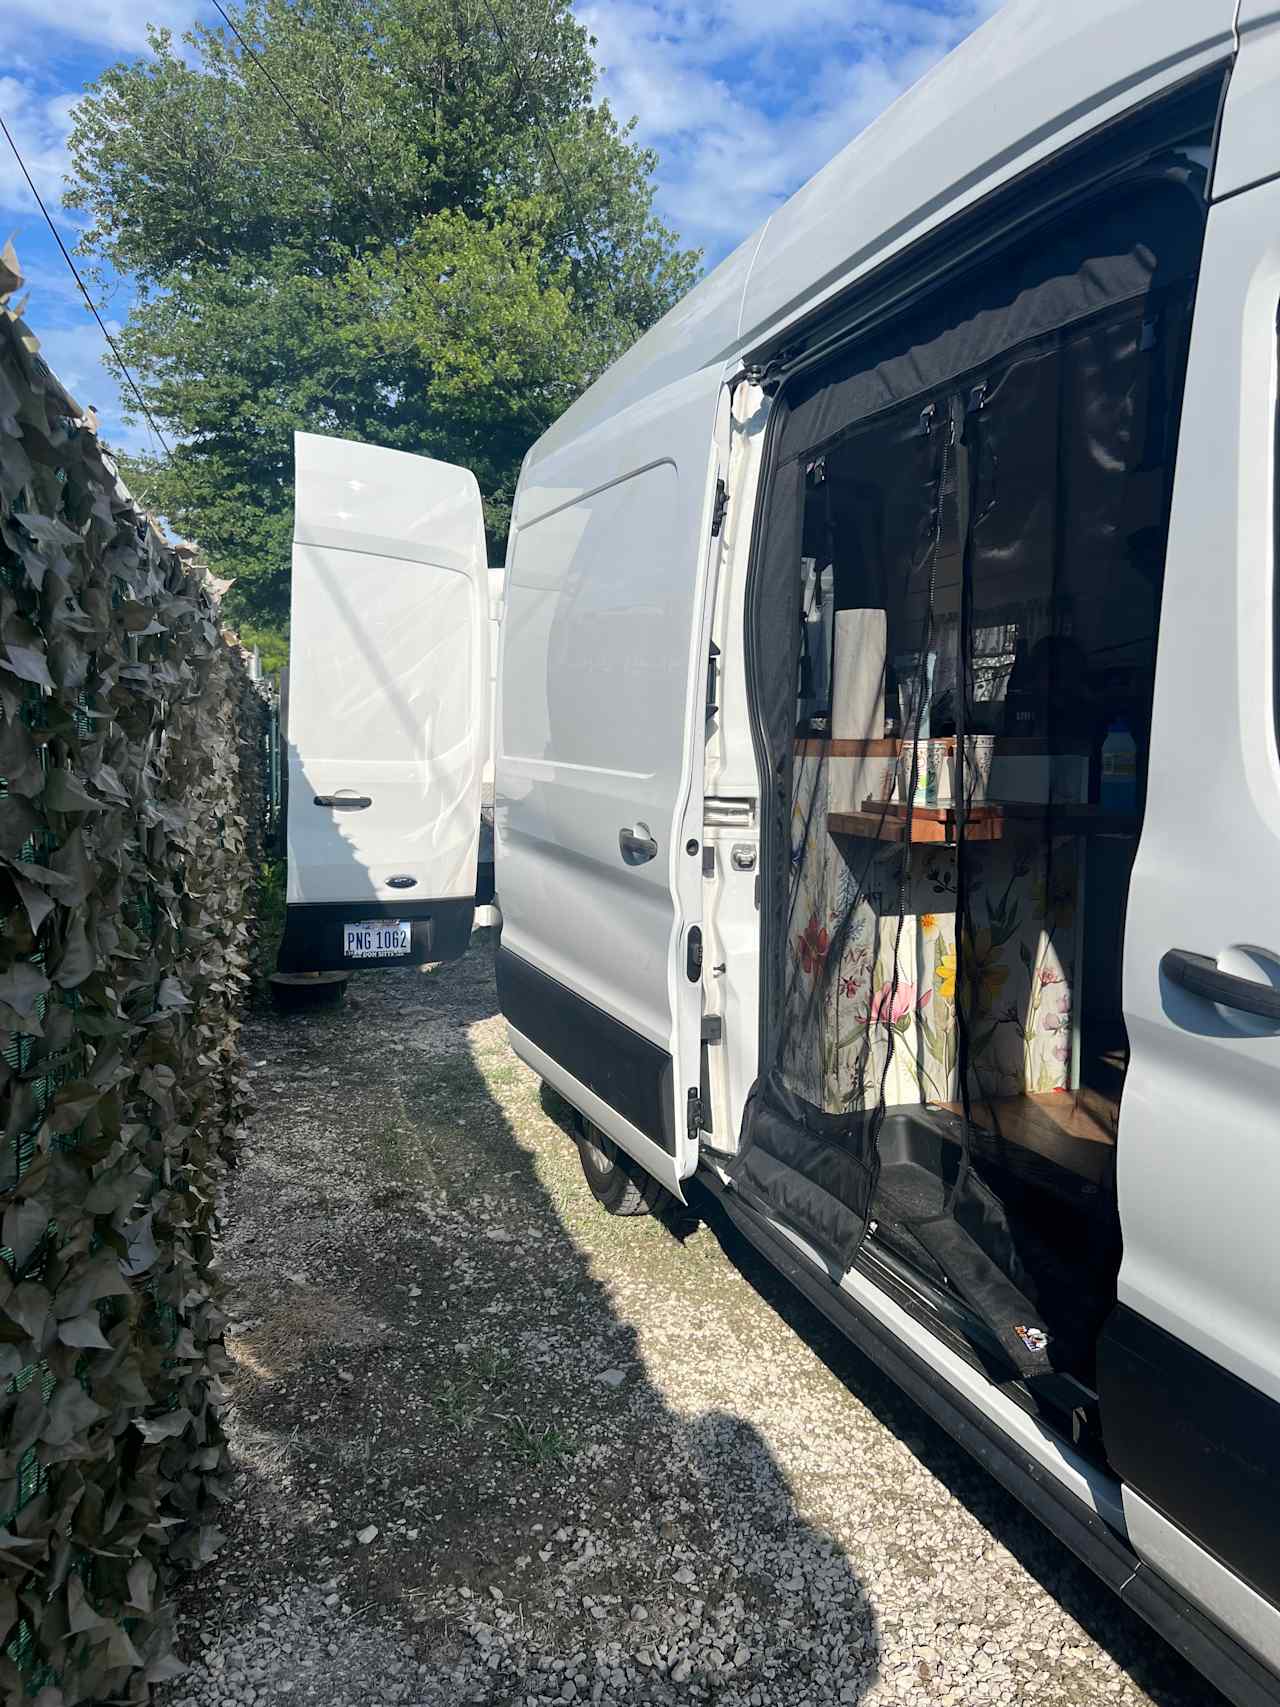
(22, 986)
(171, 994)
(163, 1427)
(47, 529)
(81, 1614)
(84, 1330)
(72, 1101)
(28, 1306)
(10, 272)
(20, 759)
(76, 959)
(26, 1222)
(71, 863)
(27, 664)
(64, 792)
(71, 1412)
(142, 1247)
(92, 1280)
(19, 822)
(37, 903)
(142, 1586)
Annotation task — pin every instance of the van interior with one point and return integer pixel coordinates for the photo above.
(964, 522)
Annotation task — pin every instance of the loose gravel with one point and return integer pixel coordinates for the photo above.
(494, 1446)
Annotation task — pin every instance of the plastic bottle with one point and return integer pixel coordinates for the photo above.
(1119, 789)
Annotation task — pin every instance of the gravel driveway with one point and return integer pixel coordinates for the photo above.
(494, 1446)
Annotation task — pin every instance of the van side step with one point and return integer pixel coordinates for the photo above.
(1229, 1666)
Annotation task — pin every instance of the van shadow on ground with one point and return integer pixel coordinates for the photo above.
(437, 1334)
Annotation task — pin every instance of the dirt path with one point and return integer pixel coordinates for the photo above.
(494, 1446)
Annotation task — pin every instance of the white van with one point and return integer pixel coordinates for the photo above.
(887, 775)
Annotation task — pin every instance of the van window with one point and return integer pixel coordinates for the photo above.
(965, 541)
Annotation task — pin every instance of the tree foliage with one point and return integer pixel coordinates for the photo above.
(403, 221)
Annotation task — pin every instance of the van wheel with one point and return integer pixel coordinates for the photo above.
(615, 1180)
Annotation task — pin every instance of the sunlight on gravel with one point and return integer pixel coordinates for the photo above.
(493, 1446)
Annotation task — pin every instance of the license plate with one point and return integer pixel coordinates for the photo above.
(374, 939)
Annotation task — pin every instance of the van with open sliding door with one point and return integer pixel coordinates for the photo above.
(887, 795)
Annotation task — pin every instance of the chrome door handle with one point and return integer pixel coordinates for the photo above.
(1201, 976)
(636, 846)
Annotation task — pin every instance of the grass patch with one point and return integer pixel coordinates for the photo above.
(538, 1443)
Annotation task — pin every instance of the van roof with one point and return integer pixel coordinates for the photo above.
(1036, 76)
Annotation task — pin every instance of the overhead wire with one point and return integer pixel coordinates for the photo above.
(309, 135)
(84, 291)
(543, 134)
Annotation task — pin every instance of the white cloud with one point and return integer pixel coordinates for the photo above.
(40, 125)
(117, 25)
(745, 99)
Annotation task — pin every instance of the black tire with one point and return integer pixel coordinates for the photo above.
(616, 1182)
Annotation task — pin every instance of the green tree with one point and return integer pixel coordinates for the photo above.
(405, 221)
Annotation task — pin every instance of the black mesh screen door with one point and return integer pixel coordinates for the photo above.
(965, 539)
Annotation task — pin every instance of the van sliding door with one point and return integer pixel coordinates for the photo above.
(599, 768)
(1189, 1364)
(388, 711)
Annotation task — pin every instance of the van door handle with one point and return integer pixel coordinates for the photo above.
(1200, 975)
(636, 846)
(344, 802)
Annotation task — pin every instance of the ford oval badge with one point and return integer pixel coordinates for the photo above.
(402, 880)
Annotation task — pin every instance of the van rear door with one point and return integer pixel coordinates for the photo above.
(388, 712)
(602, 707)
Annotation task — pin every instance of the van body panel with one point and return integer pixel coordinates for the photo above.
(1196, 1142)
(388, 697)
(1033, 79)
(1253, 1621)
(1248, 144)
(599, 760)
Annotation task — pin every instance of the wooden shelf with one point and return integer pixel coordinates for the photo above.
(1074, 1129)
(892, 821)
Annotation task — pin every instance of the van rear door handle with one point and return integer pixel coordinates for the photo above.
(344, 802)
(1201, 976)
(636, 846)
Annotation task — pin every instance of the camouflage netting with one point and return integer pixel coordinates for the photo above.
(130, 742)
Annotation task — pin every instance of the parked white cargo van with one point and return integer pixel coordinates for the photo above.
(887, 790)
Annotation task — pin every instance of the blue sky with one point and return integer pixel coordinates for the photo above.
(743, 99)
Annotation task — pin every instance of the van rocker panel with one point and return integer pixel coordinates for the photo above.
(629, 1072)
(1197, 1442)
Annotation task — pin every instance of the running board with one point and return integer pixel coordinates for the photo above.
(1227, 1665)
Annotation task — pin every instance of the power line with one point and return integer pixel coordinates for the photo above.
(310, 136)
(93, 307)
(543, 133)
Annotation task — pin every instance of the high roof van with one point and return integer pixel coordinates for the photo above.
(887, 782)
